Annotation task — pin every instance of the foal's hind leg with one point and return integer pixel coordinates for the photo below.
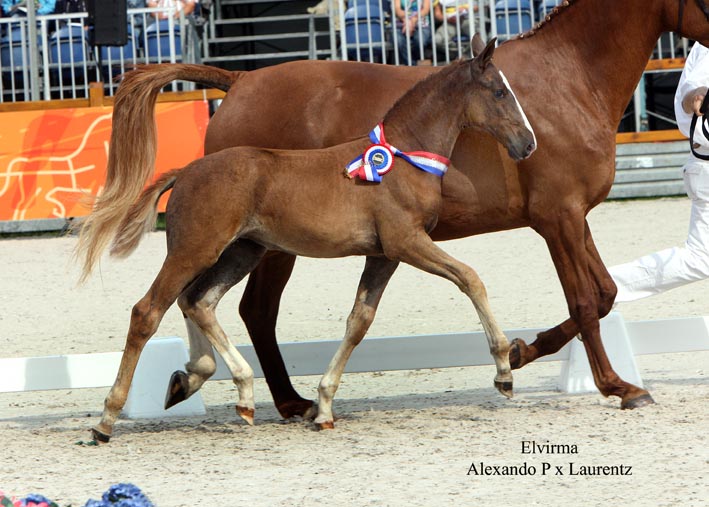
(145, 318)
(199, 303)
(200, 368)
(376, 275)
(422, 253)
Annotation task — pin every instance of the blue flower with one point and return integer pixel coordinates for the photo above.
(122, 495)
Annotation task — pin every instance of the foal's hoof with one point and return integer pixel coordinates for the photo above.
(297, 408)
(504, 387)
(638, 402)
(177, 389)
(327, 425)
(517, 349)
(100, 436)
(246, 413)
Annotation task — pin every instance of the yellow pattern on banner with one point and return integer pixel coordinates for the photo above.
(50, 159)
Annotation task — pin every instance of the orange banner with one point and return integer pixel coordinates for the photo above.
(50, 159)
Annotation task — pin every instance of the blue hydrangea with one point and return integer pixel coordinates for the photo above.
(121, 495)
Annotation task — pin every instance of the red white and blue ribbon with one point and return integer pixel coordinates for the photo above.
(378, 159)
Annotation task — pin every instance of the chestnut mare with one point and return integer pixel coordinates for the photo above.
(228, 208)
(590, 51)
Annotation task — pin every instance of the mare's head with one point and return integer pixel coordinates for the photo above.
(493, 107)
(688, 17)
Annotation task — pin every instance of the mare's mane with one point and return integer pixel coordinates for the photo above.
(566, 3)
(556, 11)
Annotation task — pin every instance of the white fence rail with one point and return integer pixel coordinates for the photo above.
(623, 341)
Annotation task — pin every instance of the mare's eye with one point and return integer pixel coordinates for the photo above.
(499, 93)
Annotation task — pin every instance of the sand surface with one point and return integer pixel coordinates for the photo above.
(404, 438)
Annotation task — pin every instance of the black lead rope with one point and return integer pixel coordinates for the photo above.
(703, 109)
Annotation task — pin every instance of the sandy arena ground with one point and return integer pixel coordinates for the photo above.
(404, 438)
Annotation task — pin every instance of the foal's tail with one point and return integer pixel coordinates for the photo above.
(131, 159)
(140, 217)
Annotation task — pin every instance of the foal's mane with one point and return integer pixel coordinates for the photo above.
(423, 87)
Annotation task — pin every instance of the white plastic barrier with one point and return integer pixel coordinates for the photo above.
(161, 356)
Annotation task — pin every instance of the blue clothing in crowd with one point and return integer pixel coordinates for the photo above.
(43, 6)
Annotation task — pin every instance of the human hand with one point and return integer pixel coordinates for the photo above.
(697, 101)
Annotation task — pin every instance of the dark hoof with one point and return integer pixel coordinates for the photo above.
(515, 353)
(100, 436)
(639, 402)
(297, 408)
(176, 389)
(505, 388)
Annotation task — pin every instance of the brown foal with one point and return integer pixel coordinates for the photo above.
(227, 209)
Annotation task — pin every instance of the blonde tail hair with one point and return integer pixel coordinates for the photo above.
(131, 159)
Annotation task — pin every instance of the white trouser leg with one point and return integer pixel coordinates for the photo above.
(661, 271)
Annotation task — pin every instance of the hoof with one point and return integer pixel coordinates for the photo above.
(176, 389)
(504, 387)
(639, 402)
(515, 353)
(247, 414)
(327, 425)
(297, 408)
(100, 436)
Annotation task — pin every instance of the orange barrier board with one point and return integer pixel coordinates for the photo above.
(50, 159)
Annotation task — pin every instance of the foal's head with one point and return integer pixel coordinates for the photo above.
(492, 105)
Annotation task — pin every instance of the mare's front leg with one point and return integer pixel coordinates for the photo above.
(377, 273)
(259, 311)
(567, 244)
(421, 252)
(551, 341)
(198, 304)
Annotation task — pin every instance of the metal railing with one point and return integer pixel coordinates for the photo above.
(370, 30)
(62, 61)
(58, 51)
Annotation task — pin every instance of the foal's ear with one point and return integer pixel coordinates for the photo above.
(481, 52)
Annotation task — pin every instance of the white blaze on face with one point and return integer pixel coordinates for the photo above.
(521, 111)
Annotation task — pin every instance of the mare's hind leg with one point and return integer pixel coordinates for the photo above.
(199, 303)
(376, 275)
(421, 252)
(145, 318)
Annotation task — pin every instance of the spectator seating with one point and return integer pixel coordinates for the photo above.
(14, 55)
(157, 37)
(512, 17)
(69, 49)
(363, 24)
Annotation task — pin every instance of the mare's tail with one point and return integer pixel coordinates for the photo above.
(140, 217)
(131, 159)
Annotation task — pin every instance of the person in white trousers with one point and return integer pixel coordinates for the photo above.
(667, 269)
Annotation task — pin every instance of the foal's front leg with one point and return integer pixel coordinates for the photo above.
(377, 273)
(421, 252)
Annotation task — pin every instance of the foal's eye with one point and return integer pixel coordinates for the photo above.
(499, 93)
